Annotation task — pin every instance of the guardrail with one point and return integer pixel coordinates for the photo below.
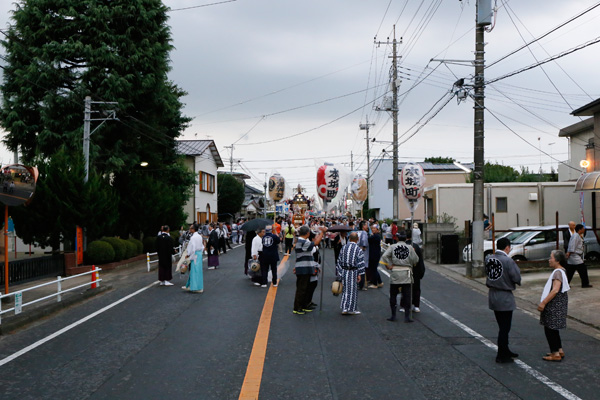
(18, 295)
(175, 257)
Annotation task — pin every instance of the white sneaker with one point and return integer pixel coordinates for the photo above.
(211, 267)
(416, 309)
(256, 284)
(167, 283)
(274, 285)
(401, 309)
(161, 283)
(356, 312)
(263, 285)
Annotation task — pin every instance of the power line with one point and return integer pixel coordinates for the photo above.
(200, 6)
(564, 53)
(545, 34)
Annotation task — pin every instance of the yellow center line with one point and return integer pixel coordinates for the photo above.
(253, 378)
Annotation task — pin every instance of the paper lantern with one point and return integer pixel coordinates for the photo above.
(412, 180)
(328, 182)
(276, 187)
(359, 189)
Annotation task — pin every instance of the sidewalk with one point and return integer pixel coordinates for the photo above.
(583, 303)
(33, 312)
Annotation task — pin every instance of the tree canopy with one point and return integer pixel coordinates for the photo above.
(230, 194)
(57, 52)
(504, 173)
(440, 160)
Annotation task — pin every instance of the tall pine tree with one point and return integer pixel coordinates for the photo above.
(60, 51)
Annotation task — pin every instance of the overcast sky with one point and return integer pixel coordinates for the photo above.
(264, 70)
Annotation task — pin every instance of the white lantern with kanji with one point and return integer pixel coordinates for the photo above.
(412, 180)
(328, 182)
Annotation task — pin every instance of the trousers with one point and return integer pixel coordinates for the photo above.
(504, 320)
(553, 338)
(301, 299)
(583, 273)
(405, 300)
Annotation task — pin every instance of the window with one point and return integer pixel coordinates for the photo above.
(501, 204)
(206, 182)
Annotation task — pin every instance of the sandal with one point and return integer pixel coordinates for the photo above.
(561, 353)
(552, 358)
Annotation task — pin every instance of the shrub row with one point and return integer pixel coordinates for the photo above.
(109, 249)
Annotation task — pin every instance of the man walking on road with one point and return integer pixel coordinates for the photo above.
(305, 267)
(502, 277)
(400, 259)
(164, 248)
(350, 266)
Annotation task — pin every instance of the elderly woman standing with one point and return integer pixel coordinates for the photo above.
(554, 304)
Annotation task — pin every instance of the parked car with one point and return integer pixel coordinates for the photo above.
(536, 244)
(488, 248)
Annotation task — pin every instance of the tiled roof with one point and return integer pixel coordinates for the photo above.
(198, 147)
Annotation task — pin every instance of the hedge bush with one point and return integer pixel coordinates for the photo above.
(130, 249)
(99, 252)
(118, 245)
(139, 246)
(149, 244)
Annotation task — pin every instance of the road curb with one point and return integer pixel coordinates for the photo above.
(523, 304)
(14, 322)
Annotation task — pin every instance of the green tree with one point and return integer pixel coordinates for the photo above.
(230, 194)
(62, 201)
(440, 160)
(57, 52)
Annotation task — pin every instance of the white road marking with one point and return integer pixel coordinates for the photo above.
(69, 327)
(531, 371)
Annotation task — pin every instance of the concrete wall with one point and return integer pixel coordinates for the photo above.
(457, 201)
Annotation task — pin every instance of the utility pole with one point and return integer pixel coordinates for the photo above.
(87, 119)
(365, 127)
(483, 12)
(351, 161)
(394, 110)
(230, 158)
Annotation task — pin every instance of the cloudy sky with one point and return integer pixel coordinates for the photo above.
(288, 82)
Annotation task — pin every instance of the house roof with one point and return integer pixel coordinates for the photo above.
(198, 147)
(587, 110)
(575, 129)
(236, 174)
(427, 166)
(252, 190)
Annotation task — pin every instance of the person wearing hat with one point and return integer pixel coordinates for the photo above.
(400, 259)
(269, 256)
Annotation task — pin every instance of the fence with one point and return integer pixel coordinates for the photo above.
(29, 269)
(18, 295)
(176, 256)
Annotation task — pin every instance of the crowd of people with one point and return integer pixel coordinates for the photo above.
(360, 248)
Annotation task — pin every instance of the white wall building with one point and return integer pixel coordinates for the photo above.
(203, 158)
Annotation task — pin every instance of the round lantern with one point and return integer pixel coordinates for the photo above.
(328, 182)
(412, 180)
(276, 187)
(359, 189)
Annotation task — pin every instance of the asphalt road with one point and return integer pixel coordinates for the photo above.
(165, 343)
